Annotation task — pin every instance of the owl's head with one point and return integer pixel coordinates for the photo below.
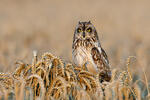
(85, 30)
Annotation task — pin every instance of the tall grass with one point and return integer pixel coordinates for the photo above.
(51, 78)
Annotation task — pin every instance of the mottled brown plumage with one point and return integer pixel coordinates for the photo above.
(86, 50)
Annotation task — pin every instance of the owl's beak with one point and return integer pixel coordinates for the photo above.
(83, 34)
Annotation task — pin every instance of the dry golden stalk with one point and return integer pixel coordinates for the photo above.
(34, 61)
(71, 73)
(68, 75)
(108, 93)
(47, 55)
(128, 68)
(40, 81)
(146, 81)
(7, 81)
(50, 78)
(114, 75)
(58, 82)
(99, 91)
(41, 72)
(20, 69)
(27, 71)
(61, 65)
(19, 89)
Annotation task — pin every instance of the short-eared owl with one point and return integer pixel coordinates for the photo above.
(87, 50)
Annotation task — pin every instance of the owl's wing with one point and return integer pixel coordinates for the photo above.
(101, 60)
(105, 55)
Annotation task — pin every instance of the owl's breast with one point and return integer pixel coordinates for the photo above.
(80, 56)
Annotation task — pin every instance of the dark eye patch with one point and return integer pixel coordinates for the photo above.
(78, 30)
(89, 30)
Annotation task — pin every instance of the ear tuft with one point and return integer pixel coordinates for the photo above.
(89, 22)
(79, 22)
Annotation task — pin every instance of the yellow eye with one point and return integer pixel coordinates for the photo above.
(78, 30)
(89, 30)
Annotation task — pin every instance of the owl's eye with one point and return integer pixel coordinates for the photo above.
(89, 30)
(78, 30)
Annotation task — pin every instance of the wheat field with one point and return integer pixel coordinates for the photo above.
(36, 55)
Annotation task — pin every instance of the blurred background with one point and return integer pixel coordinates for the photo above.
(48, 26)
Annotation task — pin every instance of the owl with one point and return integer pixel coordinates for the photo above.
(87, 51)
